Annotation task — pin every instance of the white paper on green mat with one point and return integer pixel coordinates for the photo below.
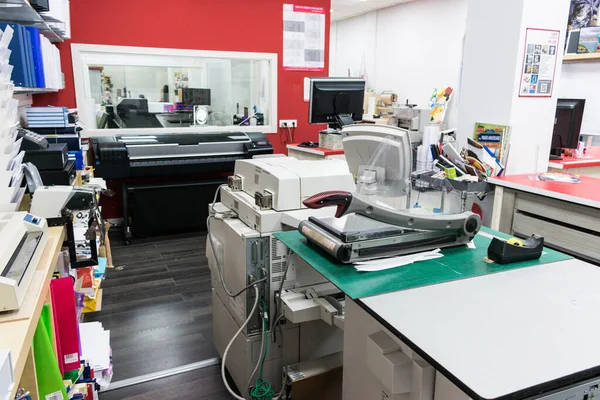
(394, 262)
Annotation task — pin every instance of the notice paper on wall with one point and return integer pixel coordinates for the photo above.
(303, 38)
(539, 63)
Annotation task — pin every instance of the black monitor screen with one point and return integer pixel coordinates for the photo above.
(333, 100)
(567, 124)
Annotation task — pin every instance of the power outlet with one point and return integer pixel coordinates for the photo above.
(289, 123)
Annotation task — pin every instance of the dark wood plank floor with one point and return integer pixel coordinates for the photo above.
(157, 305)
(201, 384)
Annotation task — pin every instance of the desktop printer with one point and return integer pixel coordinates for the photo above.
(23, 237)
(57, 204)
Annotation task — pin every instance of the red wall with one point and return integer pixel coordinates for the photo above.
(230, 25)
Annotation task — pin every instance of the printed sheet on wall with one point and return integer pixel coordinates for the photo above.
(303, 38)
(539, 62)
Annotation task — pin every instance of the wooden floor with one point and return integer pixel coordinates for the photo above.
(157, 305)
(203, 384)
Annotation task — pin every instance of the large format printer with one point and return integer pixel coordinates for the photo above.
(130, 156)
(265, 196)
(164, 171)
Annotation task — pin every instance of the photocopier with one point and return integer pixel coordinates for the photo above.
(263, 196)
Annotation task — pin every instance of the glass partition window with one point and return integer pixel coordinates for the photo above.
(150, 90)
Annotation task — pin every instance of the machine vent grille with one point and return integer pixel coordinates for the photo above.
(276, 278)
(236, 205)
(278, 267)
(276, 255)
(256, 179)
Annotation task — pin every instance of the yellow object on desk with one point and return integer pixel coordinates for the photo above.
(515, 242)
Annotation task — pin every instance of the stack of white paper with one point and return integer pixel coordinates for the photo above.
(95, 345)
(11, 158)
(51, 60)
(394, 262)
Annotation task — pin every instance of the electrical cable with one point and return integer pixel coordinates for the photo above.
(285, 366)
(256, 298)
(278, 309)
(289, 134)
(262, 346)
(262, 389)
(212, 246)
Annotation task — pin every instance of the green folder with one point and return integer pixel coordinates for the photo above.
(46, 316)
(49, 381)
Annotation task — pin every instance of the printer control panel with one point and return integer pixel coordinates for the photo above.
(32, 219)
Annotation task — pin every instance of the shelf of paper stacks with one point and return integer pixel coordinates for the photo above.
(11, 174)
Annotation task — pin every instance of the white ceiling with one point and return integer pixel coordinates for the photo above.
(343, 9)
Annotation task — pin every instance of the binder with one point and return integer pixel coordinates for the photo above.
(17, 55)
(29, 57)
(38, 62)
(66, 327)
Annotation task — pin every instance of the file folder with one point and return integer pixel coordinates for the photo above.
(66, 327)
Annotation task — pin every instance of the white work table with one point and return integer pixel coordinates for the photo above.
(507, 335)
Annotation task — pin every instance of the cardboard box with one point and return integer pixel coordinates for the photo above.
(317, 379)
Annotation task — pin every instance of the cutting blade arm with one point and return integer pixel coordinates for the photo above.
(467, 223)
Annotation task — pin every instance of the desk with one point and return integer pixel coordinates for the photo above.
(565, 214)
(17, 327)
(501, 334)
(505, 335)
(314, 153)
(589, 165)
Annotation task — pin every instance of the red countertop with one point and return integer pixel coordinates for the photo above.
(316, 150)
(590, 159)
(587, 192)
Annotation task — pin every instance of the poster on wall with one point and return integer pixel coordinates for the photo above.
(539, 63)
(303, 38)
(583, 14)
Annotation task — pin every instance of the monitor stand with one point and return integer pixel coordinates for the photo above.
(555, 154)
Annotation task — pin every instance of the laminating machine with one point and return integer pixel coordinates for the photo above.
(375, 222)
(23, 238)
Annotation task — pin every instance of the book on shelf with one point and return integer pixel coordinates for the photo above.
(47, 110)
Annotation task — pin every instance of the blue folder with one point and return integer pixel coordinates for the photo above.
(38, 60)
(17, 56)
(29, 57)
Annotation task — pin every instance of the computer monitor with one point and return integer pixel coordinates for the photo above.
(195, 96)
(336, 101)
(134, 114)
(567, 126)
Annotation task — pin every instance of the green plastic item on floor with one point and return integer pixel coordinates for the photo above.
(49, 380)
(458, 262)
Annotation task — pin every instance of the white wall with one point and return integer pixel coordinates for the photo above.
(148, 81)
(410, 48)
(582, 81)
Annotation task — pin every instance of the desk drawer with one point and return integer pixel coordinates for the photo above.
(571, 241)
(561, 211)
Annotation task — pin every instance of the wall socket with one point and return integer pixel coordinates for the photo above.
(290, 123)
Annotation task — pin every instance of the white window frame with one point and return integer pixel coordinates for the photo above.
(86, 55)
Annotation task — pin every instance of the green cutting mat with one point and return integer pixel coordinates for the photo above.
(458, 263)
